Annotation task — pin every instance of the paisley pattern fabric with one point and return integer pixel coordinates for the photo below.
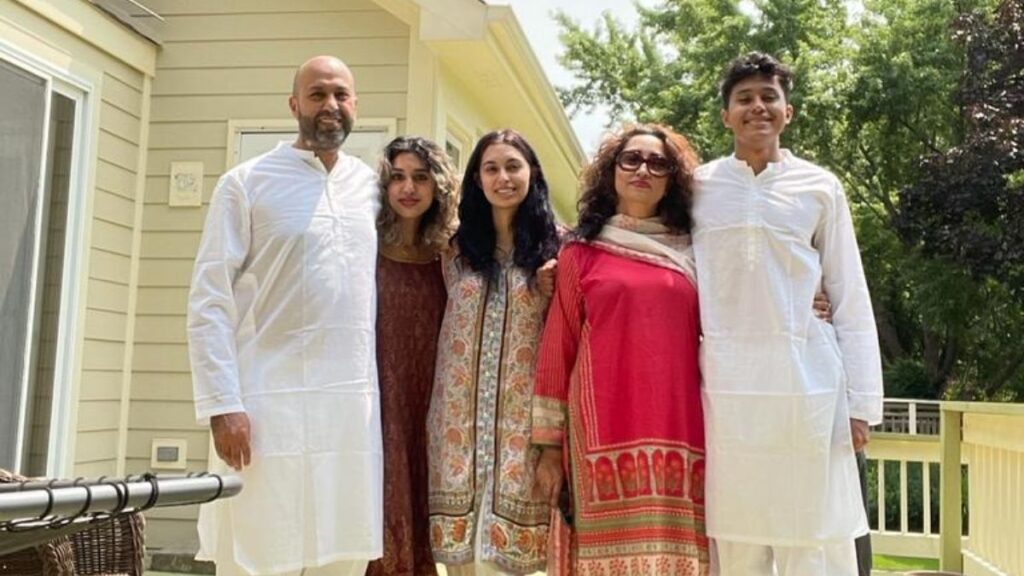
(479, 422)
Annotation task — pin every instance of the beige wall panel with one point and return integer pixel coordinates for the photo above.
(175, 512)
(96, 469)
(111, 237)
(161, 357)
(120, 123)
(161, 415)
(115, 179)
(284, 52)
(104, 325)
(103, 355)
(74, 47)
(163, 218)
(104, 265)
(172, 536)
(277, 81)
(100, 385)
(114, 208)
(177, 135)
(364, 24)
(159, 161)
(170, 244)
(160, 330)
(162, 301)
(106, 295)
(140, 444)
(189, 7)
(96, 446)
(98, 416)
(204, 108)
(126, 96)
(157, 187)
(166, 273)
(175, 387)
(117, 151)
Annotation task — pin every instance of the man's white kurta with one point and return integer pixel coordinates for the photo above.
(780, 385)
(281, 325)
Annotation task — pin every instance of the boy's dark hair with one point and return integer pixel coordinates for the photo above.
(754, 64)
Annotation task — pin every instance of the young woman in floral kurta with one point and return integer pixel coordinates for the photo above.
(618, 381)
(417, 218)
(484, 517)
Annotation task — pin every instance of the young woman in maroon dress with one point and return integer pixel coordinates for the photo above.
(418, 186)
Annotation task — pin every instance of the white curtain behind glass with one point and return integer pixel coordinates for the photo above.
(22, 107)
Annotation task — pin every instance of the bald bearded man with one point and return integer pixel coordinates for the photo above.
(281, 339)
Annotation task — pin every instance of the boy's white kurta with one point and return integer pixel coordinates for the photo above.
(780, 385)
(281, 325)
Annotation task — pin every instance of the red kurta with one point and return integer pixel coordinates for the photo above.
(618, 373)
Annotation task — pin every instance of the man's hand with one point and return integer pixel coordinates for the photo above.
(232, 438)
(860, 433)
(822, 307)
(546, 278)
(548, 479)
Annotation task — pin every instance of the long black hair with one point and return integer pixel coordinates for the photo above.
(534, 234)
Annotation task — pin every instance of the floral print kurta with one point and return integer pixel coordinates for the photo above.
(481, 462)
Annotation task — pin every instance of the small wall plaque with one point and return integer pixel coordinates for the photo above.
(186, 184)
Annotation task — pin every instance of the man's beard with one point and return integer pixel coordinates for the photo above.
(318, 138)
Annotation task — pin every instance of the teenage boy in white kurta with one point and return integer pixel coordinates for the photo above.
(281, 338)
(788, 397)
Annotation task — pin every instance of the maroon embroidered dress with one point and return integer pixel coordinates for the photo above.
(410, 304)
(618, 382)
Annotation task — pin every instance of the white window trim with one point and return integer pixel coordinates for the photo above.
(238, 126)
(60, 452)
(460, 138)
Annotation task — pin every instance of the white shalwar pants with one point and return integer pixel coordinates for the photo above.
(342, 568)
(742, 559)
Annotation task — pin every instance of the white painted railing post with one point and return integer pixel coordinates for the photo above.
(912, 416)
(951, 498)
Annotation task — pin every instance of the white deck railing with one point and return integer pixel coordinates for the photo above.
(986, 438)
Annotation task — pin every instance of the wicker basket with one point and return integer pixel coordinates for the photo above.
(109, 548)
(55, 558)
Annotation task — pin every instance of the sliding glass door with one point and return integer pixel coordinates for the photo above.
(38, 127)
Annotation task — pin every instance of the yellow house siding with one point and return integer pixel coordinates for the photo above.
(77, 37)
(221, 61)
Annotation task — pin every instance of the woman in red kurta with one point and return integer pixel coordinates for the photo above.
(617, 379)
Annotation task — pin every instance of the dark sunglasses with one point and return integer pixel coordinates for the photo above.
(657, 165)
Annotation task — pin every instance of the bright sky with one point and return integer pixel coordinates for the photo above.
(535, 17)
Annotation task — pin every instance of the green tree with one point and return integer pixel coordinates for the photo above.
(874, 95)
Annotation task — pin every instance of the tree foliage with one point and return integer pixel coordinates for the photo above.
(914, 104)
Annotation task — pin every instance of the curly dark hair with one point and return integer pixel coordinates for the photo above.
(599, 200)
(439, 220)
(754, 64)
(535, 236)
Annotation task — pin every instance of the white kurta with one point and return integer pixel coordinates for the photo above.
(281, 325)
(780, 385)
